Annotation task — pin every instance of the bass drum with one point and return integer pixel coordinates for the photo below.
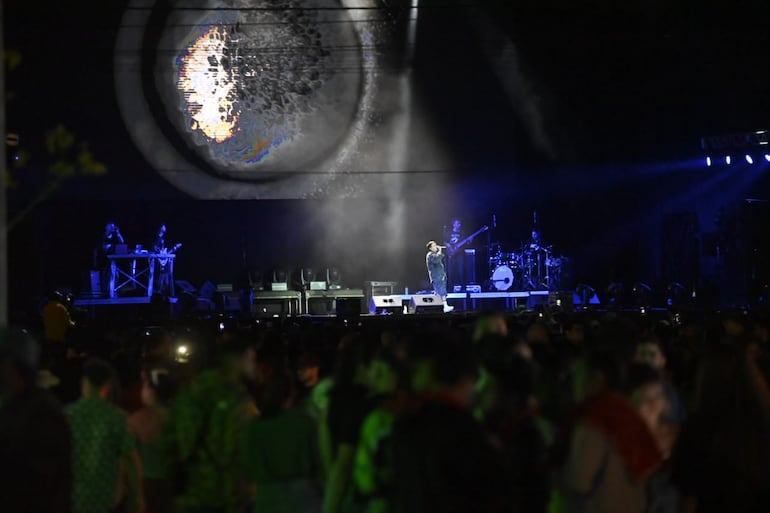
(503, 278)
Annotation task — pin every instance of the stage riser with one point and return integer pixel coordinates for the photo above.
(345, 302)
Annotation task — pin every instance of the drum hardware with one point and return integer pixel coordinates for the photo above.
(502, 278)
(534, 267)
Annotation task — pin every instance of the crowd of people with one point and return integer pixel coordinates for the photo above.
(527, 412)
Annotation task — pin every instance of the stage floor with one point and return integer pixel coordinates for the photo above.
(137, 300)
(347, 302)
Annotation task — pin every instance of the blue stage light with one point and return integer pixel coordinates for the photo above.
(708, 161)
(728, 160)
(749, 159)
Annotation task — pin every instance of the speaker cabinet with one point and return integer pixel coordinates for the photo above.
(348, 307)
(429, 303)
(269, 309)
(385, 304)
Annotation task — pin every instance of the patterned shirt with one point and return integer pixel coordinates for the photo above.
(100, 438)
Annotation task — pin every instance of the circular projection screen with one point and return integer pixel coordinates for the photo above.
(250, 99)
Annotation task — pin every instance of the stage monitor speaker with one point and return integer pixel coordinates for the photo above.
(385, 304)
(185, 286)
(207, 290)
(585, 299)
(429, 303)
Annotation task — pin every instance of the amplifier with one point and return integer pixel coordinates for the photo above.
(379, 288)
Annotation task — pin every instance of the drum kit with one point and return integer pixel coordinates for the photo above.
(534, 267)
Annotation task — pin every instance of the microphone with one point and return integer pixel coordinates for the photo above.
(494, 221)
(534, 217)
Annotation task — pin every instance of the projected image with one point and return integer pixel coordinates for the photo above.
(253, 85)
(271, 99)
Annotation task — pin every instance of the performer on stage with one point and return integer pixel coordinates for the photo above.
(112, 237)
(163, 278)
(534, 259)
(159, 245)
(455, 271)
(434, 260)
(535, 242)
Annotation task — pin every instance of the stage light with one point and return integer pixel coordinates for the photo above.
(256, 279)
(301, 278)
(767, 157)
(708, 161)
(279, 281)
(728, 160)
(310, 280)
(749, 159)
(333, 278)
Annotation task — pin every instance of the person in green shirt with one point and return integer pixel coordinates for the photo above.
(280, 453)
(206, 425)
(103, 449)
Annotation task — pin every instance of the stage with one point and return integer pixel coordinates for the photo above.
(343, 302)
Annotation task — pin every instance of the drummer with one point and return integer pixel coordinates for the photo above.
(535, 242)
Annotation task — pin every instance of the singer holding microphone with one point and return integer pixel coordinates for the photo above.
(434, 260)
